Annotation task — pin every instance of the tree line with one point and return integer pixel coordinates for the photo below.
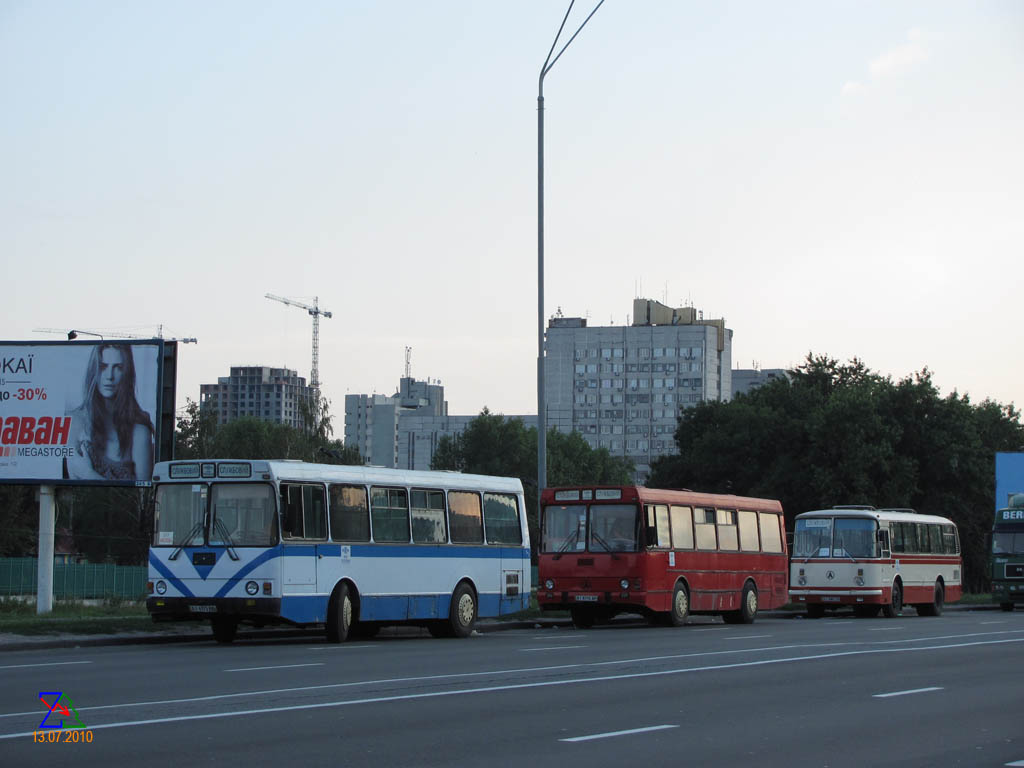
(837, 433)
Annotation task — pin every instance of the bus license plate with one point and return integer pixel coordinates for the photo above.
(203, 608)
(830, 599)
(586, 598)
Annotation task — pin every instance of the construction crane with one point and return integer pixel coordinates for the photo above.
(72, 333)
(315, 312)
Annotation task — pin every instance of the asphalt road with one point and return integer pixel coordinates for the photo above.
(782, 692)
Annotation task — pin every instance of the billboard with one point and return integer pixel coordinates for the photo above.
(82, 412)
(1009, 477)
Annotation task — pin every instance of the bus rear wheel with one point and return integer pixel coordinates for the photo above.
(748, 607)
(339, 615)
(934, 608)
(462, 615)
(224, 630)
(895, 606)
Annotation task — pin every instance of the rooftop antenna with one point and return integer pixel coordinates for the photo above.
(408, 362)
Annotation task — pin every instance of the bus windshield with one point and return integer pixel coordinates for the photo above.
(1007, 543)
(613, 528)
(564, 528)
(243, 515)
(854, 538)
(812, 537)
(180, 515)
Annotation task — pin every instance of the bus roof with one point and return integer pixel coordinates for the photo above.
(891, 515)
(302, 471)
(661, 496)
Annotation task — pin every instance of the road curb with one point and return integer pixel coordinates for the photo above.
(203, 634)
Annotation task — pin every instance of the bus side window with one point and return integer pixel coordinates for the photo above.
(771, 536)
(682, 527)
(704, 524)
(658, 527)
(304, 511)
(350, 513)
(748, 531)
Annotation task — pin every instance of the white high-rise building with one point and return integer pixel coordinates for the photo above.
(624, 387)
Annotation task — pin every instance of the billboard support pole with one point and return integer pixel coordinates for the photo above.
(44, 583)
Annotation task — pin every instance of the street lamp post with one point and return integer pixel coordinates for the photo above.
(542, 421)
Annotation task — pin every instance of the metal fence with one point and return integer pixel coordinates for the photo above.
(18, 576)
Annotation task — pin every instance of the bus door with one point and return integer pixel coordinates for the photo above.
(305, 557)
(502, 517)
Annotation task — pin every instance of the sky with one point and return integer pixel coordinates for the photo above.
(836, 178)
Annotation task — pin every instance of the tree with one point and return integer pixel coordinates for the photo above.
(193, 438)
(841, 434)
(494, 445)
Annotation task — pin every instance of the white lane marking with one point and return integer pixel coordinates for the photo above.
(341, 647)
(46, 664)
(551, 648)
(885, 629)
(746, 637)
(1016, 763)
(280, 666)
(997, 622)
(904, 693)
(520, 670)
(711, 629)
(610, 734)
(522, 686)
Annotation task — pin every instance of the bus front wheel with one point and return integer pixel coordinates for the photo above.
(680, 606)
(1006, 606)
(815, 610)
(339, 615)
(895, 606)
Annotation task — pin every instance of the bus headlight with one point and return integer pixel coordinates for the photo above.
(549, 584)
(161, 587)
(624, 583)
(859, 581)
(251, 588)
(802, 581)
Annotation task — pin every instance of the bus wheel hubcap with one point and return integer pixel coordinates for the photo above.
(680, 603)
(466, 610)
(751, 602)
(346, 611)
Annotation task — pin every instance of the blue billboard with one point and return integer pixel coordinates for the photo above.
(1009, 477)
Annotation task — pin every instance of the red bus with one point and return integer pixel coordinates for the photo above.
(661, 553)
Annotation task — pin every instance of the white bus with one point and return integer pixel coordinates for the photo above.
(874, 559)
(348, 548)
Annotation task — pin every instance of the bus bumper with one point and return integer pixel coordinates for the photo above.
(619, 600)
(259, 609)
(839, 596)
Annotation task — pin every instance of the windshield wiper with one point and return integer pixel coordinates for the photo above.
(569, 541)
(187, 540)
(222, 529)
(596, 537)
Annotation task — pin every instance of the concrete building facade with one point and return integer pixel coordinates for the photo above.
(746, 379)
(624, 387)
(403, 430)
(259, 391)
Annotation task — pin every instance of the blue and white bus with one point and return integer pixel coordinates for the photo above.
(345, 547)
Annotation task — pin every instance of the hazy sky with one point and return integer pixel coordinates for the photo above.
(845, 178)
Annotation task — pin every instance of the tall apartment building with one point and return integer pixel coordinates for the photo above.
(268, 394)
(403, 430)
(624, 387)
